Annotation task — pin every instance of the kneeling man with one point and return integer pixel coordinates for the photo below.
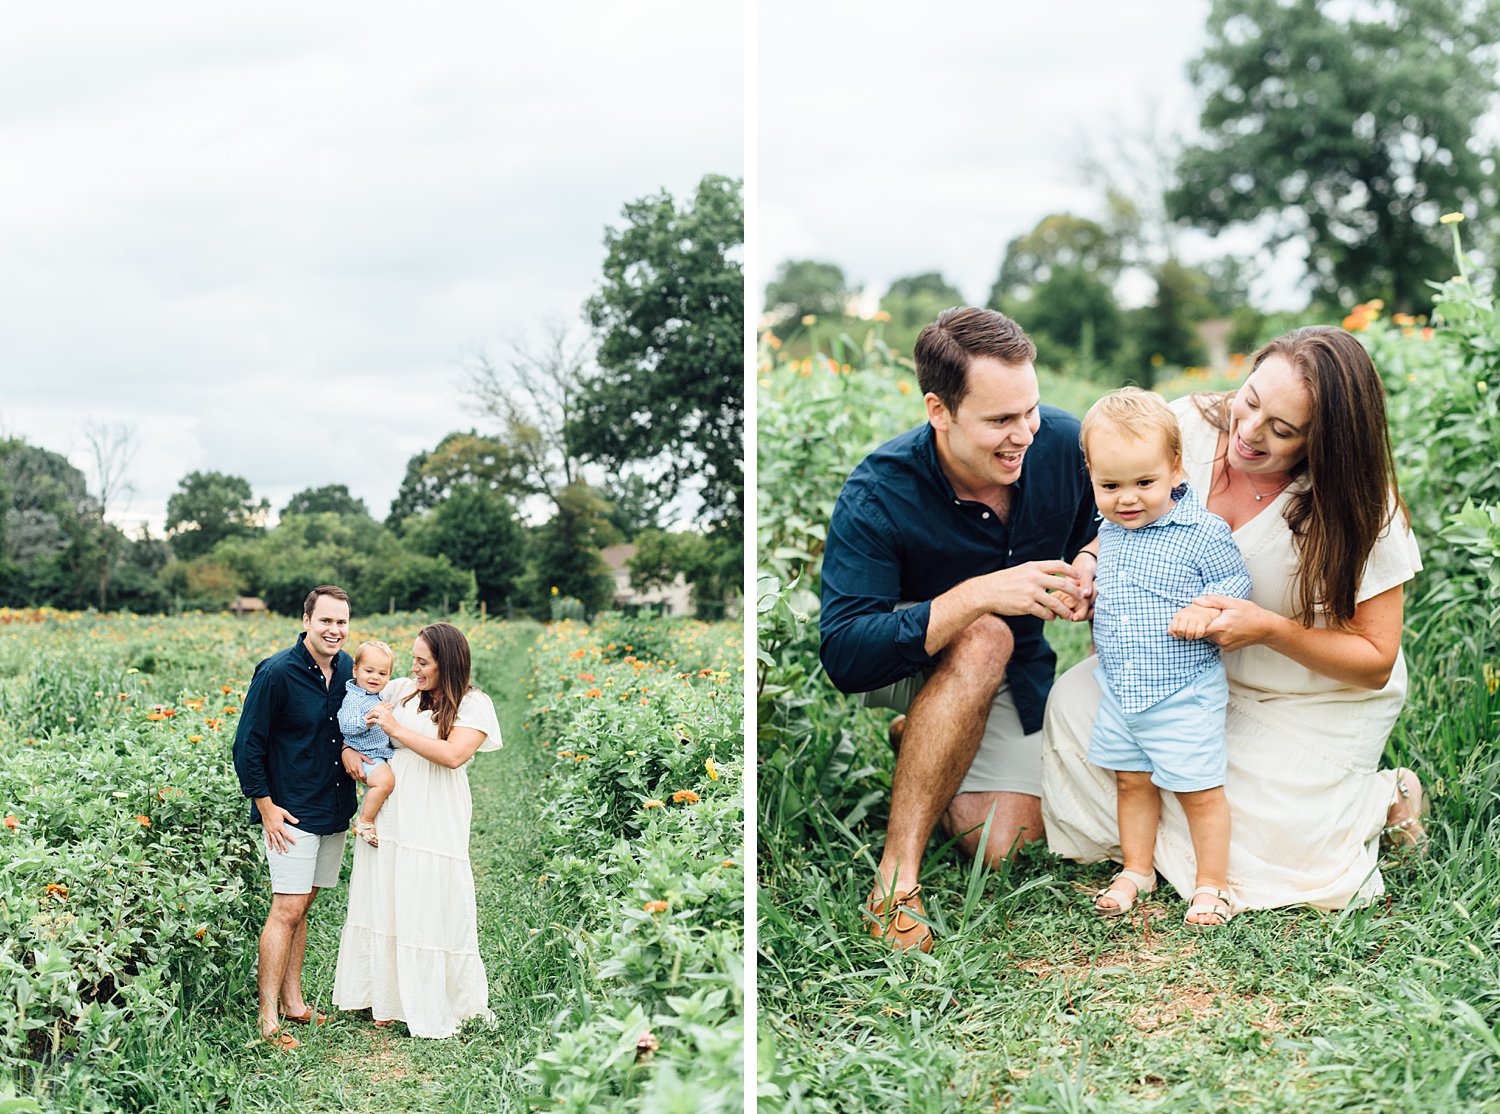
(948, 548)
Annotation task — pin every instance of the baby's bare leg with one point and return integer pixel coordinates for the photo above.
(380, 781)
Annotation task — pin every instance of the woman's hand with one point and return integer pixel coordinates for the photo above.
(383, 717)
(1239, 623)
(354, 765)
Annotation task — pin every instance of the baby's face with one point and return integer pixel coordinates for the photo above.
(372, 672)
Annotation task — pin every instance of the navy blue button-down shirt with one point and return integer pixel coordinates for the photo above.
(900, 534)
(288, 742)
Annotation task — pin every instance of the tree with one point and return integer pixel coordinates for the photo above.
(330, 499)
(460, 459)
(670, 321)
(702, 560)
(1349, 128)
(476, 529)
(48, 534)
(111, 451)
(806, 286)
(565, 554)
(1060, 241)
(208, 507)
(915, 300)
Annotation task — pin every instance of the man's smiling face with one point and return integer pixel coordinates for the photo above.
(327, 628)
(983, 441)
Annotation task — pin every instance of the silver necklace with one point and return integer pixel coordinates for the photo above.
(1259, 494)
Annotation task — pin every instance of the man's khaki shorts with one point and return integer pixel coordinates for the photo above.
(313, 862)
(1008, 761)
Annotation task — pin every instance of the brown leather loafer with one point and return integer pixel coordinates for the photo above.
(898, 927)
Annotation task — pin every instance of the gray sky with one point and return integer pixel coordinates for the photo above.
(897, 138)
(268, 236)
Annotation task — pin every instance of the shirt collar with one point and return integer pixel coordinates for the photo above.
(1188, 510)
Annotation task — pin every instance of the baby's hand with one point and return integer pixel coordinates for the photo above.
(1192, 621)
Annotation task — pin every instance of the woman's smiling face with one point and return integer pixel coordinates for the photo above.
(1268, 420)
(424, 668)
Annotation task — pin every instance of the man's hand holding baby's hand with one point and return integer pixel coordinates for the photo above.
(1192, 621)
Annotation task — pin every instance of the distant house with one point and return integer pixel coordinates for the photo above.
(675, 599)
(248, 605)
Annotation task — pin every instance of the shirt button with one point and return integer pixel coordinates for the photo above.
(958, 502)
(986, 514)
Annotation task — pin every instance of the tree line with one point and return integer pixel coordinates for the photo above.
(591, 440)
(1349, 130)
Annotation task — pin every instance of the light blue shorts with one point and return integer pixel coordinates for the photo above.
(371, 763)
(1178, 740)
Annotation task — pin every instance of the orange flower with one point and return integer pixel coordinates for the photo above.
(143, 820)
(195, 705)
(594, 692)
(589, 677)
(565, 754)
(577, 654)
(201, 933)
(12, 823)
(230, 709)
(57, 890)
(653, 803)
(579, 757)
(215, 723)
(195, 738)
(656, 906)
(684, 795)
(155, 717)
(226, 689)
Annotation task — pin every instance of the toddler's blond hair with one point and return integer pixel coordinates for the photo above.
(1136, 413)
(378, 647)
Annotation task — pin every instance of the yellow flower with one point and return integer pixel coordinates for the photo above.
(653, 804)
(881, 315)
(713, 773)
(1451, 218)
(810, 319)
(554, 589)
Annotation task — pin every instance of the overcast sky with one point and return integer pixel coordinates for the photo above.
(897, 138)
(268, 236)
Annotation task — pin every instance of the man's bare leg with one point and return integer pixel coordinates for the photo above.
(277, 940)
(292, 1001)
(1018, 820)
(943, 728)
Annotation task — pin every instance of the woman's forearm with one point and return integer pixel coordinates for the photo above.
(1362, 655)
(452, 752)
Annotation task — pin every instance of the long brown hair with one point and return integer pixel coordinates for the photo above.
(450, 651)
(1352, 494)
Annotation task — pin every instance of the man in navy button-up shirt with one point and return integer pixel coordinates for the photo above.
(943, 560)
(286, 753)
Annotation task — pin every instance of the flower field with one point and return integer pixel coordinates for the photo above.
(132, 892)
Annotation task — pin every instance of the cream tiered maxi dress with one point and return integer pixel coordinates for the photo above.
(1306, 801)
(410, 948)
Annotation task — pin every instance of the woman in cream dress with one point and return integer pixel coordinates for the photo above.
(410, 947)
(1316, 675)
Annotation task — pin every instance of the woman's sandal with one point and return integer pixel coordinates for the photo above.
(1407, 836)
(366, 831)
(1217, 906)
(1124, 900)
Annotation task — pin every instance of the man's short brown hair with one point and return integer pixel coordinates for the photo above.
(322, 590)
(946, 347)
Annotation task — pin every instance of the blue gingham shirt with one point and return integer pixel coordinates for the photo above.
(1145, 577)
(369, 740)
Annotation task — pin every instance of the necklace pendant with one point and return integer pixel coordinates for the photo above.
(1258, 497)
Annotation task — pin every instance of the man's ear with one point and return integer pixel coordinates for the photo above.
(937, 413)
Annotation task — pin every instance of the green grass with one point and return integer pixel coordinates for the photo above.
(1031, 1003)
